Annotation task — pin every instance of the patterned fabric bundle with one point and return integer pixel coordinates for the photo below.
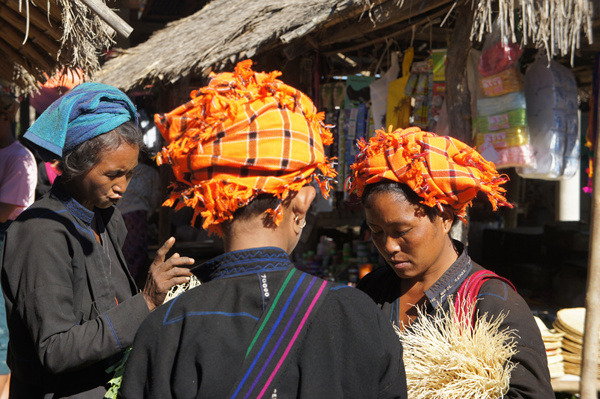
(440, 169)
(243, 135)
(87, 111)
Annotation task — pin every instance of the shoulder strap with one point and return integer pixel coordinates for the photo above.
(279, 330)
(469, 290)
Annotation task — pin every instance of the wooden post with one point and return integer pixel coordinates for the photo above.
(109, 16)
(589, 362)
(23, 116)
(458, 98)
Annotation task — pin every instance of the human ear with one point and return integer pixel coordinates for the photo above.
(301, 202)
(447, 220)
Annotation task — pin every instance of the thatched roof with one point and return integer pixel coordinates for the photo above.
(36, 42)
(222, 30)
(227, 30)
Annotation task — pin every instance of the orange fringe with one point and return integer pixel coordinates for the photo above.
(402, 156)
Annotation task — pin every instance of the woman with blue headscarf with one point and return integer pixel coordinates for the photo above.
(72, 306)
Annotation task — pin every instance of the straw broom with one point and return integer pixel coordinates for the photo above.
(446, 358)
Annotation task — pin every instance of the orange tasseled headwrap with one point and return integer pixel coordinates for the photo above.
(245, 134)
(441, 170)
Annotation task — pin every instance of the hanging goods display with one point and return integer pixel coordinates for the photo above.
(551, 93)
(379, 92)
(501, 127)
(398, 105)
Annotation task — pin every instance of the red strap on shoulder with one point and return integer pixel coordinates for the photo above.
(469, 290)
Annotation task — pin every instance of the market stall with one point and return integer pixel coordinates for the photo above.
(381, 63)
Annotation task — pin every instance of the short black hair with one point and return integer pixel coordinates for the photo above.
(390, 186)
(87, 154)
(257, 206)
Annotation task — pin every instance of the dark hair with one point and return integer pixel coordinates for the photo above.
(258, 206)
(390, 186)
(83, 157)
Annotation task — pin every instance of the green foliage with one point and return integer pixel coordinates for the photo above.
(117, 369)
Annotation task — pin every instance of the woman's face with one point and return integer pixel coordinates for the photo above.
(105, 183)
(412, 244)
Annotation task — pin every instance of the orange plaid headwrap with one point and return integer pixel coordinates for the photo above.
(244, 134)
(440, 169)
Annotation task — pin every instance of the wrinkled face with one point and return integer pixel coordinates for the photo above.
(410, 242)
(105, 183)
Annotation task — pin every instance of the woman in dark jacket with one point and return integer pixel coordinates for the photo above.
(72, 306)
(413, 185)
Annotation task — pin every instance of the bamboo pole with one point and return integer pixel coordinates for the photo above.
(109, 16)
(589, 362)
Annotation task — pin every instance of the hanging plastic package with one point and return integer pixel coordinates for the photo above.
(502, 134)
(398, 105)
(379, 92)
(551, 93)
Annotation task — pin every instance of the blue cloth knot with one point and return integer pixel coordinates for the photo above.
(87, 111)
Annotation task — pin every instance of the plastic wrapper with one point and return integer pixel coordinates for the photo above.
(506, 148)
(509, 156)
(551, 93)
(505, 82)
(500, 126)
(501, 104)
(513, 137)
(498, 56)
(512, 118)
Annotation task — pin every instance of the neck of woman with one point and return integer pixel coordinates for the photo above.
(253, 233)
(445, 260)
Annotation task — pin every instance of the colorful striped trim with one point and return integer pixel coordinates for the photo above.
(280, 328)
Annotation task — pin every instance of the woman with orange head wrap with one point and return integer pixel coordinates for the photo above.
(244, 151)
(413, 184)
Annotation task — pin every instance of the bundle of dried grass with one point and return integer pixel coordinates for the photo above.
(446, 358)
(181, 288)
(84, 37)
(555, 25)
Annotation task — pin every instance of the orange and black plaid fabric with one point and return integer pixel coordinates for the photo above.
(245, 134)
(440, 169)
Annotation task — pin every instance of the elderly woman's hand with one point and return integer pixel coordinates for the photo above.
(164, 274)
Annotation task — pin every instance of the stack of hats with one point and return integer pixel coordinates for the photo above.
(571, 322)
(553, 342)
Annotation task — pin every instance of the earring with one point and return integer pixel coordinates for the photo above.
(301, 223)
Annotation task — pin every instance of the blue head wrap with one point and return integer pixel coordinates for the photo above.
(87, 111)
